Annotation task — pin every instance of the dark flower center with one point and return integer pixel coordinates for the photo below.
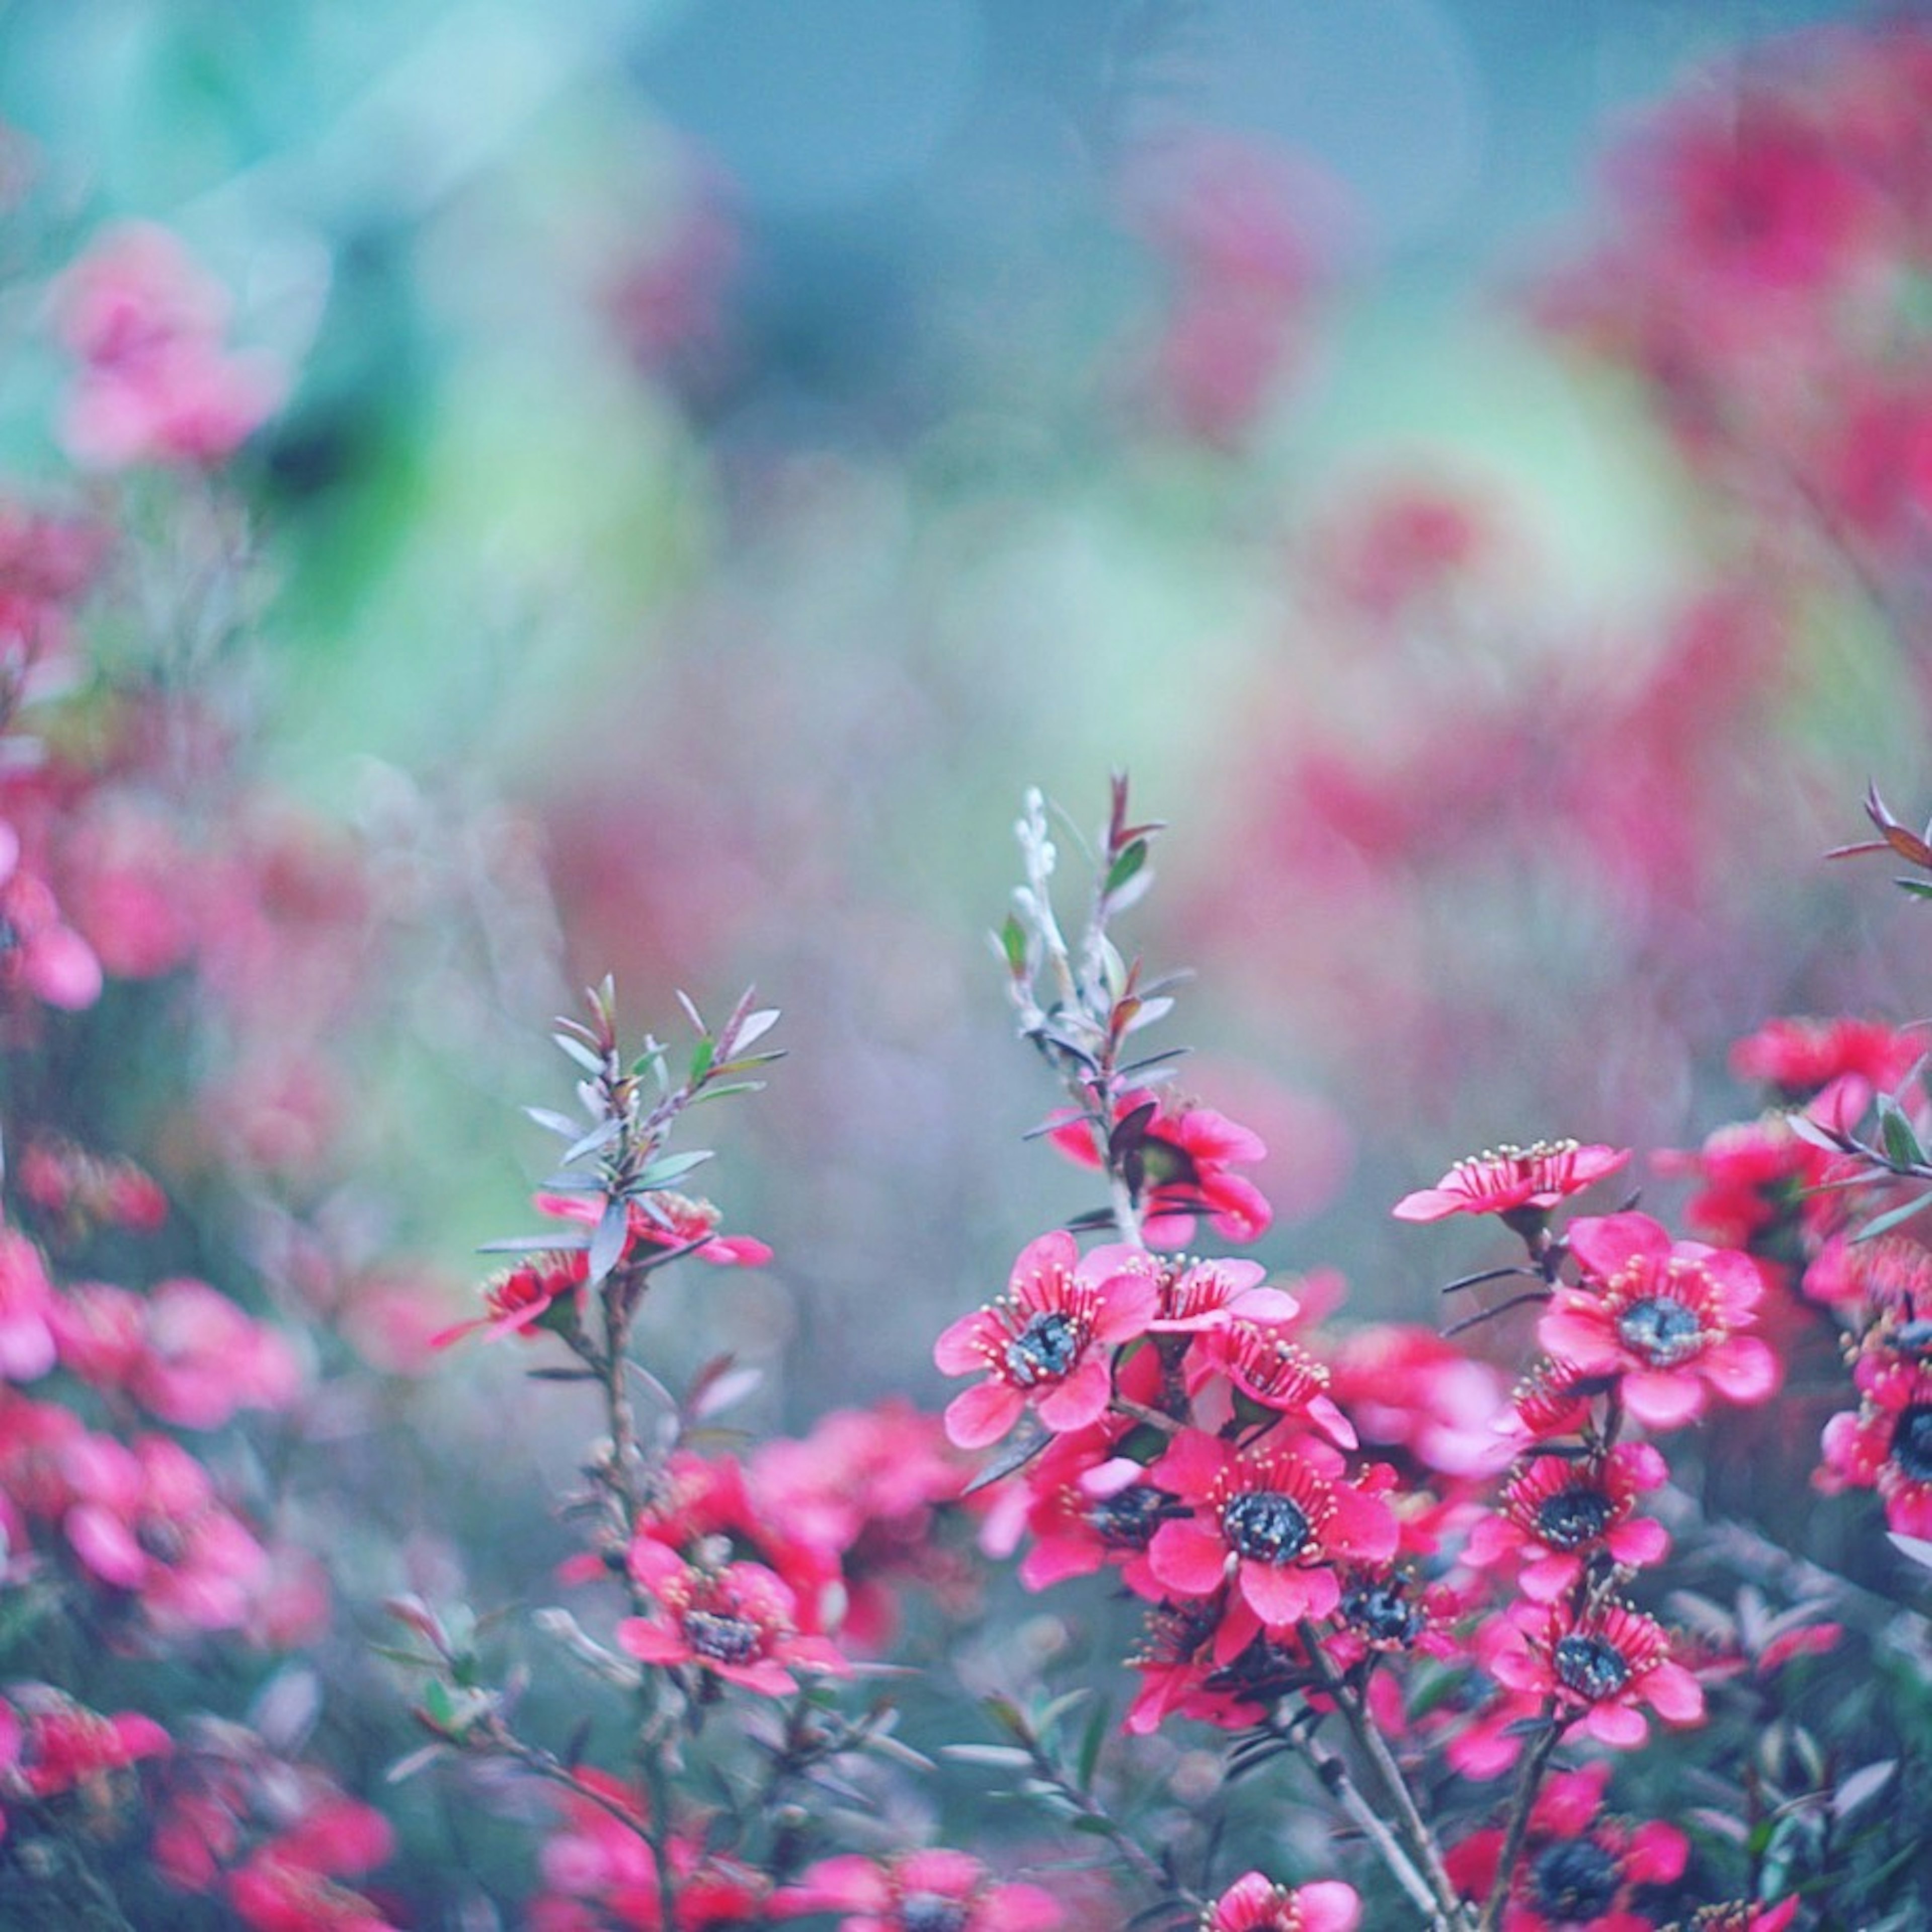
(723, 1638)
(1913, 1337)
(1592, 1666)
(1576, 1880)
(927, 1912)
(1266, 1525)
(161, 1538)
(1043, 1351)
(1573, 1517)
(1129, 1520)
(1383, 1611)
(1663, 1332)
(1912, 1441)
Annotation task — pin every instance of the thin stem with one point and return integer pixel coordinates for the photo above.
(533, 1758)
(1420, 1840)
(1339, 1785)
(1529, 1781)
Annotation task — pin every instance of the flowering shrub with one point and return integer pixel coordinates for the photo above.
(1199, 1600)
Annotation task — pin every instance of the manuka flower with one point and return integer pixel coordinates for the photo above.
(664, 1219)
(1597, 1667)
(938, 1891)
(1886, 1443)
(1663, 1316)
(1179, 1162)
(1578, 1868)
(1801, 1058)
(1274, 1523)
(739, 1622)
(1559, 1511)
(1046, 1343)
(542, 1291)
(1254, 1904)
(1519, 1183)
(1258, 1362)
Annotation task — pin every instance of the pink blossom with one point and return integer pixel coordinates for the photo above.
(739, 1622)
(1663, 1315)
(28, 1310)
(1526, 1182)
(144, 1519)
(917, 1890)
(1559, 1511)
(1254, 1904)
(1595, 1668)
(154, 383)
(40, 952)
(1045, 1343)
(1274, 1523)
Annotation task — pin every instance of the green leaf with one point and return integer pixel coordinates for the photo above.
(1892, 1218)
(702, 1055)
(1918, 888)
(1013, 944)
(1901, 1144)
(607, 1244)
(1126, 864)
(672, 1167)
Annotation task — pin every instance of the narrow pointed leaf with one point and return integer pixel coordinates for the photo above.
(607, 1244)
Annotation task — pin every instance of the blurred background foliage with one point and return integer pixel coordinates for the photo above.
(735, 448)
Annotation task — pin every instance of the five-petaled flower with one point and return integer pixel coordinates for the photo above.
(1275, 1522)
(1046, 1343)
(1558, 1511)
(1663, 1316)
(739, 1622)
(1595, 1668)
(1519, 1183)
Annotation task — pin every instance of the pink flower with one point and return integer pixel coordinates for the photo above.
(1801, 1058)
(600, 1870)
(1254, 1904)
(144, 1519)
(1886, 1443)
(1559, 1512)
(202, 1358)
(28, 1308)
(55, 1744)
(543, 1291)
(1663, 1315)
(1178, 1159)
(1045, 1343)
(663, 1219)
(154, 383)
(739, 1622)
(1524, 1182)
(917, 1891)
(1578, 1868)
(1274, 1523)
(286, 1885)
(40, 952)
(1597, 1667)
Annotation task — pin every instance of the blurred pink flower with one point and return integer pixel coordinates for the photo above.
(154, 383)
